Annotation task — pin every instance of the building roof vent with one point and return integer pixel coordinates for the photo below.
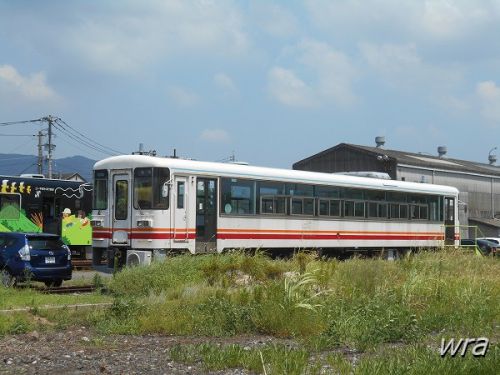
(492, 159)
(380, 141)
(442, 150)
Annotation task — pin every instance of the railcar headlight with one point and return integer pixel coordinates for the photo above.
(96, 223)
(144, 224)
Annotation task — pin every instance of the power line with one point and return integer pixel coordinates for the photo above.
(82, 141)
(20, 122)
(89, 139)
(18, 135)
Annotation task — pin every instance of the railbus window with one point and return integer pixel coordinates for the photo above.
(148, 186)
(10, 206)
(143, 188)
(100, 190)
(238, 196)
(180, 194)
(271, 196)
(160, 177)
(354, 208)
(121, 200)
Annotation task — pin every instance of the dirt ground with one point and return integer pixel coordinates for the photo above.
(82, 351)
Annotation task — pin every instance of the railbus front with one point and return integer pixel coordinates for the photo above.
(146, 206)
(63, 207)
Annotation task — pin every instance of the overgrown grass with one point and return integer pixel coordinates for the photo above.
(369, 306)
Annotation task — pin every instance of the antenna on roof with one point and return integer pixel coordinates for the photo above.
(142, 152)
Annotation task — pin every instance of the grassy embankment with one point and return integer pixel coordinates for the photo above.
(360, 315)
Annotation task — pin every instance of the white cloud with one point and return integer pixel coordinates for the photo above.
(443, 20)
(224, 82)
(215, 135)
(489, 95)
(401, 66)
(274, 19)
(335, 71)
(132, 35)
(330, 77)
(33, 87)
(182, 96)
(290, 90)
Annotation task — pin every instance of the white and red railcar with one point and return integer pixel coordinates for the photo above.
(147, 203)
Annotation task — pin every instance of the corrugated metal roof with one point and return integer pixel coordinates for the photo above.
(418, 159)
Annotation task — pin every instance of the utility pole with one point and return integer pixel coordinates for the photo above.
(40, 152)
(50, 120)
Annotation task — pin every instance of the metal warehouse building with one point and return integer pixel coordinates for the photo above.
(478, 183)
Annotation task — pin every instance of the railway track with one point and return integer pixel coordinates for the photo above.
(84, 264)
(61, 289)
(67, 289)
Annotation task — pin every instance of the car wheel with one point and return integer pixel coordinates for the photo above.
(7, 279)
(53, 283)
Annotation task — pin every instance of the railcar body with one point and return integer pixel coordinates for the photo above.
(63, 207)
(151, 203)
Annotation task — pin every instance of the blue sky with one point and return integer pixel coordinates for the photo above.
(274, 82)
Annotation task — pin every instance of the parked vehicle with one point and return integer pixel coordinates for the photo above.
(34, 256)
(484, 246)
(492, 239)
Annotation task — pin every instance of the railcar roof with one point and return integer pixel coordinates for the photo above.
(265, 173)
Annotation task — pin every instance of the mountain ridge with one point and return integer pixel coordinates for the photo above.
(16, 164)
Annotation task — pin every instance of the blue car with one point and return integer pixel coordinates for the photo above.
(34, 256)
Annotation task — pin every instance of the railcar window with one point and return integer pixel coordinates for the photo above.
(354, 209)
(238, 196)
(297, 206)
(335, 207)
(419, 212)
(300, 190)
(327, 192)
(399, 211)
(394, 196)
(100, 201)
(121, 200)
(271, 188)
(143, 188)
(10, 206)
(148, 185)
(434, 208)
(353, 194)
(377, 210)
(160, 177)
(273, 205)
(374, 195)
(180, 194)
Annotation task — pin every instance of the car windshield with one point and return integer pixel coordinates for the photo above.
(40, 243)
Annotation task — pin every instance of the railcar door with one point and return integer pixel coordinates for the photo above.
(121, 212)
(180, 207)
(449, 221)
(206, 215)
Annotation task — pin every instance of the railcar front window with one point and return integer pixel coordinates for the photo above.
(161, 176)
(100, 190)
(143, 188)
(148, 186)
